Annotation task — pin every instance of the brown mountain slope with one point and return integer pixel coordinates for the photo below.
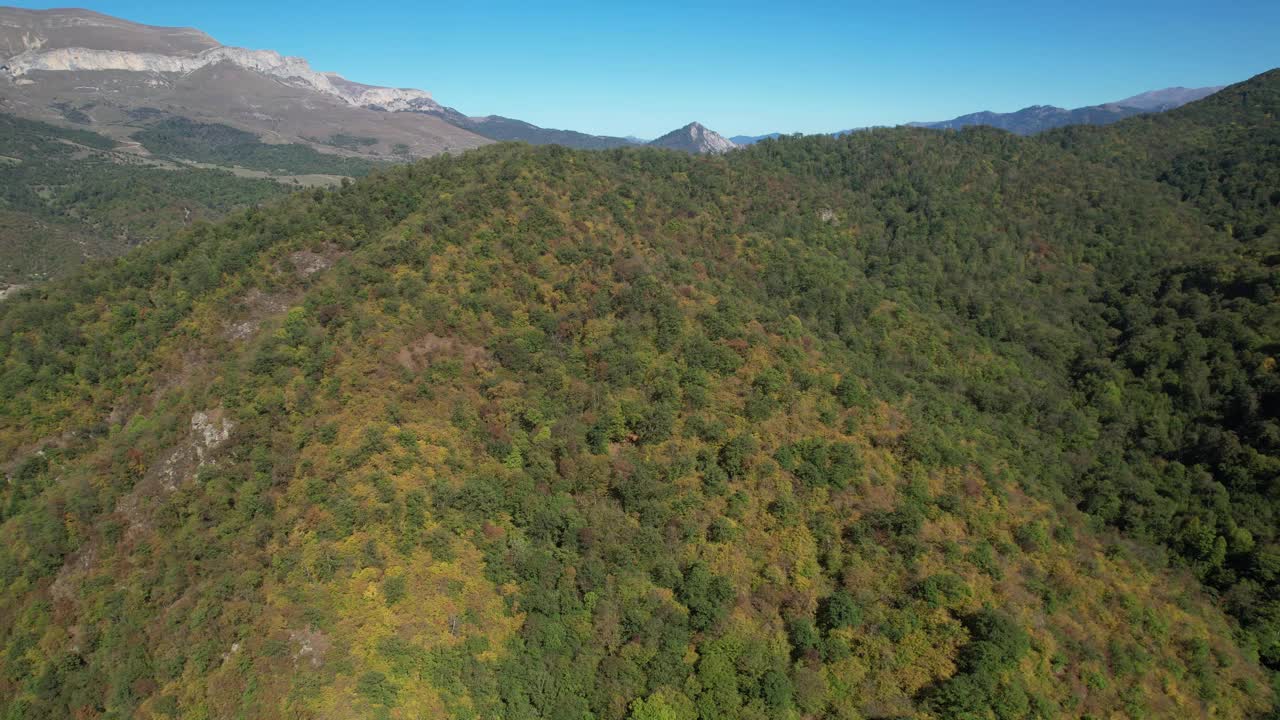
(22, 30)
(78, 67)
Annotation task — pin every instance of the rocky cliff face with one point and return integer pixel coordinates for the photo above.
(291, 70)
(32, 41)
(86, 68)
(83, 68)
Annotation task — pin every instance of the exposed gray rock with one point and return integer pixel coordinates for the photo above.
(694, 138)
(9, 290)
(210, 430)
(307, 263)
(310, 646)
(291, 70)
(256, 306)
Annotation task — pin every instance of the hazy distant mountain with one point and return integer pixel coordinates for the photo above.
(1168, 98)
(1038, 118)
(752, 139)
(694, 138)
(496, 127)
(1034, 119)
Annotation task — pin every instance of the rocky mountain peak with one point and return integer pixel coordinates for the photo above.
(695, 138)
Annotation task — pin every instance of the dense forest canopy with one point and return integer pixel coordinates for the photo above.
(903, 423)
(224, 145)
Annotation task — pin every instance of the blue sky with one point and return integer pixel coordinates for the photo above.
(748, 67)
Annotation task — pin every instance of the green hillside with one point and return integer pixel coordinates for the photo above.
(217, 144)
(903, 423)
(66, 197)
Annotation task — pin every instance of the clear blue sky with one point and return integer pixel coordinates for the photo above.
(747, 67)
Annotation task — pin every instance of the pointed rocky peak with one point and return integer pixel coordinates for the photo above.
(695, 138)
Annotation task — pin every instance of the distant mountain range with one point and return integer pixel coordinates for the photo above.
(1038, 118)
(139, 85)
(753, 139)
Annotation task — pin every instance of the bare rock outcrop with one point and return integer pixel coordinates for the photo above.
(287, 69)
(210, 430)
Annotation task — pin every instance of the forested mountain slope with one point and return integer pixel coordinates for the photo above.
(1039, 118)
(66, 197)
(801, 431)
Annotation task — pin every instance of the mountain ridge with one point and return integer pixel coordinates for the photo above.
(1167, 98)
(40, 43)
(104, 71)
(499, 128)
(22, 30)
(1038, 118)
(268, 62)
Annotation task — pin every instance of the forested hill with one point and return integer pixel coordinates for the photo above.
(67, 196)
(897, 424)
